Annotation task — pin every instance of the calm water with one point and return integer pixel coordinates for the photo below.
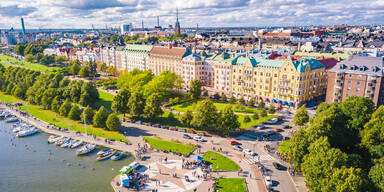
(22, 169)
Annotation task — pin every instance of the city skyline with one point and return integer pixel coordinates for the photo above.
(208, 13)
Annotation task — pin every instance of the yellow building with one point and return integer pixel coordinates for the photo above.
(286, 82)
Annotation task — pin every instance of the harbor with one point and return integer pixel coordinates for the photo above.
(61, 158)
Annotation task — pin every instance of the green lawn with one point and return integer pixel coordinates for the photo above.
(190, 105)
(284, 146)
(169, 146)
(8, 98)
(231, 185)
(220, 162)
(105, 99)
(60, 121)
(29, 65)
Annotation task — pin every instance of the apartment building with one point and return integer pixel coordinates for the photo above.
(285, 82)
(357, 76)
(135, 56)
(112, 56)
(221, 64)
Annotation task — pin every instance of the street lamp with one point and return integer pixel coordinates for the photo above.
(85, 124)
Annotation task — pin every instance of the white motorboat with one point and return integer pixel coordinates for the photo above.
(105, 155)
(27, 132)
(86, 149)
(12, 120)
(61, 141)
(52, 138)
(118, 156)
(104, 151)
(76, 144)
(67, 144)
(22, 127)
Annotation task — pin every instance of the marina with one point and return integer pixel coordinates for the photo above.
(59, 169)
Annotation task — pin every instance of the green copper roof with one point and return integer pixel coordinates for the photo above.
(259, 62)
(221, 57)
(313, 63)
(136, 48)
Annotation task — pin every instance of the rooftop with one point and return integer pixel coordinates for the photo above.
(361, 65)
(258, 62)
(302, 64)
(134, 47)
(170, 51)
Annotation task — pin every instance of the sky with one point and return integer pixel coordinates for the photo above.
(68, 14)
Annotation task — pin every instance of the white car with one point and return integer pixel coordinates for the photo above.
(248, 151)
(198, 138)
(268, 181)
(260, 127)
(273, 121)
(237, 147)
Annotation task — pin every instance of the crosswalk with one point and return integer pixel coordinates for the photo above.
(266, 158)
(261, 158)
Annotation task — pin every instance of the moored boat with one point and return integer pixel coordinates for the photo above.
(12, 120)
(76, 144)
(28, 132)
(104, 151)
(118, 155)
(67, 144)
(86, 149)
(61, 141)
(105, 156)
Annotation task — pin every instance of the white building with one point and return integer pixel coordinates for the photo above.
(135, 56)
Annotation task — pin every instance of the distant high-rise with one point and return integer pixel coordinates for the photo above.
(22, 26)
(177, 25)
(125, 28)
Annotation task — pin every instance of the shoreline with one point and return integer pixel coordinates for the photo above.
(43, 126)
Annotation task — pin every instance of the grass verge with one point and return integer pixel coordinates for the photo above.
(29, 65)
(105, 100)
(284, 146)
(231, 185)
(220, 162)
(169, 146)
(60, 121)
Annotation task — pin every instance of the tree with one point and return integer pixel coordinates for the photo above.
(255, 115)
(136, 104)
(100, 118)
(74, 113)
(298, 148)
(87, 115)
(65, 108)
(346, 180)
(186, 118)
(376, 174)
(246, 120)
(102, 66)
(241, 101)
(250, 103)
(84, 71)
(120, 101)
(320, 162)
(19, 49)
(372, 136)
(75, 68)
(263, 113)
(55, 106)
(358, 110)
(29, 58)
(205, 93)
(224, 97)
(232, 100)
(113, 122)
(228, 120)
(89, 94)
(195, 90)
(271, 109)
(301, 116)
(261, 104)
(205, 115)
(111, 70)
(216, 96)
(171, 116)
(153, 106)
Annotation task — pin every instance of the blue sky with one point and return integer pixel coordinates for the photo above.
(207, 13)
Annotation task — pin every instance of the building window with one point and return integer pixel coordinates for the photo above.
(359, 76)
(349, 81)
(357, 89)
(348, 88)
(358, 83)
(370, 84)
(350, 75)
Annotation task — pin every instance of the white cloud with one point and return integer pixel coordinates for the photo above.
(84, 13)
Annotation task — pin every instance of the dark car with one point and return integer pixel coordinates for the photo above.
(191, 131)
(278, 166)
(287, 127)
(186, 136)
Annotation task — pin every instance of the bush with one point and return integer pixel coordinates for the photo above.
(113, 122)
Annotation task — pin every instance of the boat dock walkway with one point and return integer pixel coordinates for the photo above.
(43, 126)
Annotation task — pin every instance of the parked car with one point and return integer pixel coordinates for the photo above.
(237, 147)
(200, 133)
(199, 138)
(287, 127)
(186, 136)
(268, 181)
(260, 127)
(234, 143)
(273, 121)
(191, 131)
(278, 166)
(173, 128)
(181, 130)
(278, 130)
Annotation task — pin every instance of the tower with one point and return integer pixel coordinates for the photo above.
(22, 25)
(177, 25)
